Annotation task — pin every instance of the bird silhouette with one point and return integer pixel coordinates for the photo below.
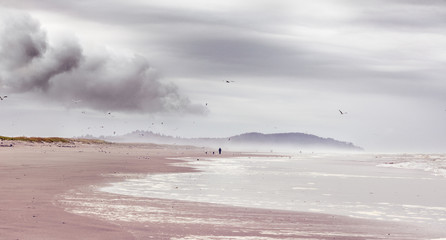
(2, 98)
(342, 113)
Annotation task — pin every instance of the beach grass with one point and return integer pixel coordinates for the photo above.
(52, 140)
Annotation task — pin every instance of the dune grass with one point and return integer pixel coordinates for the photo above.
(53, 140)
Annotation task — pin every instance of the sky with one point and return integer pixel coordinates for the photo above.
(219, 68)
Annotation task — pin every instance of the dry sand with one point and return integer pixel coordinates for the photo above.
(46, 192)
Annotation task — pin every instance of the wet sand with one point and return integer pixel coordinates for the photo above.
(48, 191)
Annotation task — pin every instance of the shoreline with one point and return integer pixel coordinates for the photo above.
(32, 174)
(35, 179)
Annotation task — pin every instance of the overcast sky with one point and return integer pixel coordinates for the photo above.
(105, 67)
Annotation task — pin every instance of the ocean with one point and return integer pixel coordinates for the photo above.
(402, 188)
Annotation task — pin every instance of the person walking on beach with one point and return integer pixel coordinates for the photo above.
(219, 151)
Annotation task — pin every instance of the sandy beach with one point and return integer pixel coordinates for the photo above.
(194, 120)
(44, 186)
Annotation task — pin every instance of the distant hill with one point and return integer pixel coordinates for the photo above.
(293, 140)
(248, 141)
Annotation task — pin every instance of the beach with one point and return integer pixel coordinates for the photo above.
(53, 191)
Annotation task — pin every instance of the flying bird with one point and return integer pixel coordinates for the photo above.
(227, 81)
(342, 113)
(2, 98)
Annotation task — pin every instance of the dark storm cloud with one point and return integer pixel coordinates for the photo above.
(207, 43)
(26, 42)
(105, 82)
(38, 74)
(258, 42)
(63, 72)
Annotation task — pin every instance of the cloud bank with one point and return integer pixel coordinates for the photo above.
(63, 72)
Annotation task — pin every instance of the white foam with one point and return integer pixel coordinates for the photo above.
(434, 164)
(303, 188)
(338, 175)
(213, 237)
(371, 213)
(425, 207)
(352, 188)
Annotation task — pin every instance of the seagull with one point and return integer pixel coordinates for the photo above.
(342, 113)
(227, 81)
(2, 98)
(76, 101)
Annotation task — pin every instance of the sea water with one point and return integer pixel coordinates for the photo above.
(403, 188)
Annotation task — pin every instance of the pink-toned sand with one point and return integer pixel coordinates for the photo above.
(46, 193)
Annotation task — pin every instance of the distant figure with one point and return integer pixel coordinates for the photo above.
(219, 151)
(213, 153)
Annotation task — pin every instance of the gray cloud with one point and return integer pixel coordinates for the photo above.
(63, 72)
(295, 62)
(401, 15)
(39, 74)
(22, 40)
(121, 84)
(220, 44)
